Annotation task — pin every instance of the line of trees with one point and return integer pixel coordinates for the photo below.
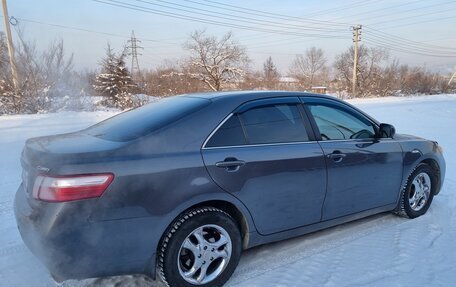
(221, 64)
(50, 83)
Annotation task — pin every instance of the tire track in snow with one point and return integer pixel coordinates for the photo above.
(6, 208)
(404, 254)
(12, 250)
(310, 245)
(399, 240)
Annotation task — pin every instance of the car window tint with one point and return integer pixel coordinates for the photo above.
(274, 124)
(229, 134)
(144, 120)
(337, 124)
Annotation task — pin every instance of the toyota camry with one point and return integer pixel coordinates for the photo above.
(181, 187)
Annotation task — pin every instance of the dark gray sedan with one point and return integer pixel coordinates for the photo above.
(183, 185)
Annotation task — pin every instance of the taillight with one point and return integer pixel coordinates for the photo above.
(72, 187)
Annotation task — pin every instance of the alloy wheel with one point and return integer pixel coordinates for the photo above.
(420, 190)
(204, 254)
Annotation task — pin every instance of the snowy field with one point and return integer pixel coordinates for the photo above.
(382, 250)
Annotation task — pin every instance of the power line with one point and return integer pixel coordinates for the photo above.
(237, 18)
(206, 21)
(381, 9)
(420, 22)
(219, 15)
(403, 41)
(375, 36)
(401, 12)
(415, 49)
(89, 30)
(409, 47)
(415, 16)
(403, 49)
(272, 53)
(288, 42)
(341, 8)
(260, 13)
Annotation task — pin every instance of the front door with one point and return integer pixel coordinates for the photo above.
(364, 172)
(266, 157)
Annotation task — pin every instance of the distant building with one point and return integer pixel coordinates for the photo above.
(319, 90)
(289, 83)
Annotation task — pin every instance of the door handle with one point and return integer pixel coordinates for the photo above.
(230, 164)
(336, 156)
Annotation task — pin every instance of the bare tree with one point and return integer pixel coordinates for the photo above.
(216, 62)
(270, 74)
(370, 61)
(252, 80)
(170, 79)
(46, 79)
(418, 80)
(56, 67)
(306, 68)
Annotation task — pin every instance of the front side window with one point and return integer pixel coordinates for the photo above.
(336, 123)
(281, 123)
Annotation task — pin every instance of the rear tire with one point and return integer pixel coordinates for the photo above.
(201, 248)
(417, 195)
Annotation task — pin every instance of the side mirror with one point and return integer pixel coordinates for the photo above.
(386, 131)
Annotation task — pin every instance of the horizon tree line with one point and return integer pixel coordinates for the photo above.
(214, 64)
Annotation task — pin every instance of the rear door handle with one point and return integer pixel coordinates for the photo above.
(336, 156)
(230, 164)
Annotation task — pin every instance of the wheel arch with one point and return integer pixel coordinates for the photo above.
(236, 210)
(233, 211)
(436, 168)
(434, 162)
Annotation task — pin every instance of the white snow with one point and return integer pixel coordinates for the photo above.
(382, 250)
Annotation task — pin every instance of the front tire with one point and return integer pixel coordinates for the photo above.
(201, 248)
(417, 195)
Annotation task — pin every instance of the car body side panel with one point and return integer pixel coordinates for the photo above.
(369, 175)
(283, 185)
(258, 239)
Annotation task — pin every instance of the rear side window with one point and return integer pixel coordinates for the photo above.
(146, 119)
(274, 124)
(229, 134)
(280, 123)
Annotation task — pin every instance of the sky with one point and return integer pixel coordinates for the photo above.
(416, 32)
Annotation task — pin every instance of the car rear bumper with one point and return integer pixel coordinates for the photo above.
(73, 247)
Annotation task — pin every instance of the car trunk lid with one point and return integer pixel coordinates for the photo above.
(46, 155)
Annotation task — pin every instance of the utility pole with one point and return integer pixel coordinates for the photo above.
(9, 42)
(356, 39)
(134, 54)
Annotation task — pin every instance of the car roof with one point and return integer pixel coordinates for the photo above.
(239, 97)
(252, 95)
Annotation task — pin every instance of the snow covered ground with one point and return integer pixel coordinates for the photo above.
(382, 250)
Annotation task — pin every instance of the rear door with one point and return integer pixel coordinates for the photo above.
(364, 172)
(264, 153)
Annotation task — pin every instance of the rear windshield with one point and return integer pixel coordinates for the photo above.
(146, 119)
